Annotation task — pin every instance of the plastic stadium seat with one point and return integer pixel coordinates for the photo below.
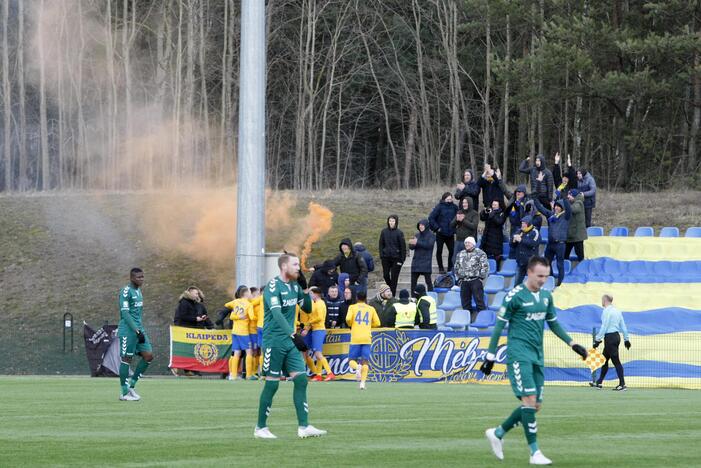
(459, 320)
(497, 301)
(669, 232)
(595, 231)
(508, 268)
(440, 319)
(549, 283)
(644, 231)
(492, 266)
(544, 235)
(568, 267)
(450, 301)
(495, 283)
(485, 319)
(693, 232)
(434, 295)
(619, 231)
(506, 249)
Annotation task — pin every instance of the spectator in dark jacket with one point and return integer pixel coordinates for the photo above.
(558, 226)
(542, 182)
(493, 235)
(587, 186)
(439, 219)
(191, 311)
(353, 264)
(531, 210)
(465, 224)
(422, 244)
(333, 308)
(324, 276)
(423, 308)
(343, 283)
(382, 303)
(468, 187)
(577, 230)
(515, 211)
(348, 300)
(527, 240)
(392, 252)
(566, 181)
(492, 188)
(367, 256)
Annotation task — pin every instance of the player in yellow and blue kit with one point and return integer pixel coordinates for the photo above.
(361, 318)
(241, 314)
(256, 301)
(314, 333)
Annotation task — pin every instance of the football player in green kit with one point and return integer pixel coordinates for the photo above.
(132, 336)
(281, 346)
(526, 309)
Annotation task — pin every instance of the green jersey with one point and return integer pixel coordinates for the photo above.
(526, 313)
(131, 307)
(280, 302)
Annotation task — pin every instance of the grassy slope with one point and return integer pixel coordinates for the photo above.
(78, 421)
(69, 253)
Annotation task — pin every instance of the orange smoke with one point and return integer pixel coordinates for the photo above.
(316, 224)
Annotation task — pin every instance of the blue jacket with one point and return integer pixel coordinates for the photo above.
(440, 218)
(367, 256)
(587, 186)
(557, 226)
(423, 250)
(527, 247)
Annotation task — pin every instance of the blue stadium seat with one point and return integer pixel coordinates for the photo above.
(506, 249)
(669, 232)
(450, 301)
(485, 319)
(459, 320)
(508, 268)
(434, 295)
(568, 267)
(619, 231)
(549, 283)
(544, 235)
(644, 231)
(595, 231)
(492, 266)
(495, 283)
(440, 319)
(694, 231)
(497, 301)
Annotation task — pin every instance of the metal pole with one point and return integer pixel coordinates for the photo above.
(250, 214)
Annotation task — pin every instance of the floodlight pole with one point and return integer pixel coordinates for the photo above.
(250, 213)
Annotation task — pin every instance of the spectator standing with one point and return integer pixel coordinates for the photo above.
(439, 219)
(542, 182)
(426, 308)
(334, 319)
(577, 230)
(465, 224)
(468, 188)
(392, 252)
(190, 311)
(564, 181)
(360, 249)
(353, 264)
(558, 226)
(422, 244)
(472, 269)
(493, 234)
(587, 186)
(324, 276)
(612, 324)
(516, 210)
(491, 186)
(527, 240)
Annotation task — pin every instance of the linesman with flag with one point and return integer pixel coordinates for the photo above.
(612, 325)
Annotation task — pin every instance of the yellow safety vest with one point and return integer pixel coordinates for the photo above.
(432, 308)
(406, 315)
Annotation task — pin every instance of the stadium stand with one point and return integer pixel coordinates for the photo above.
(669, 231)
(644, 231)
(619, 231)
(459, 319)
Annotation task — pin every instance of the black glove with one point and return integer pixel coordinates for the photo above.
(302, 281)
(140, 337)
(626, 343)
(597, 343)
(487, 365)
(299, 342)
(579, 349)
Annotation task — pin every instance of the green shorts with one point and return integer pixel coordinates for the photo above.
(282, 361)
(129, 344)
(526, 379)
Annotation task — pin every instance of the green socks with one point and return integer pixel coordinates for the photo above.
(509, 423)
(140, 369)
(300, 399)
(123, 376)
(530, 427)
(266, 401)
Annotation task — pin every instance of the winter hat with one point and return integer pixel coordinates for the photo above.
(470, 240)
(383, 288)
(574, 192)
(561, 203)
(527, 219)
(404, 294)
(521, 188)
(420, 290)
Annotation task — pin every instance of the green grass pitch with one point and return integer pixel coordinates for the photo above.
(79, 421)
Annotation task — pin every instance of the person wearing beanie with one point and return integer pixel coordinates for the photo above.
(426, 309)
(382, 303)
(403, 313)
(515, 210)
(577, 229)
(526, 240)
(422, 245)
(472, 269)
(558, 225)
(439, 222)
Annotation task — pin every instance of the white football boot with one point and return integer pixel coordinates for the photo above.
(128, 397)
(133, 393)
(263, 433)
(496, 443)
(539, 459)
(309, 431)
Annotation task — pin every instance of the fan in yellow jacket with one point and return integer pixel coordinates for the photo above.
(362, 318)
(314, 332)
(241, 315)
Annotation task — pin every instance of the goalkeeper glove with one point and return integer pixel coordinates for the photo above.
(488, 364)
(627, 344)
(579, 349)
(140, 337)
(597, 343)
(299, 342)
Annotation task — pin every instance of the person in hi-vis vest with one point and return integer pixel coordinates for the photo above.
(426, 309)
(404, 311)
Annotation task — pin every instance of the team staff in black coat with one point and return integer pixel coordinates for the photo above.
(439, 219)
(392, 252)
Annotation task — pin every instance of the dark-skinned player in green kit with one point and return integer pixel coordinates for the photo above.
(281, 346)
(526, 309)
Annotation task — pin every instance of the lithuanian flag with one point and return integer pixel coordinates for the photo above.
(200, 350)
